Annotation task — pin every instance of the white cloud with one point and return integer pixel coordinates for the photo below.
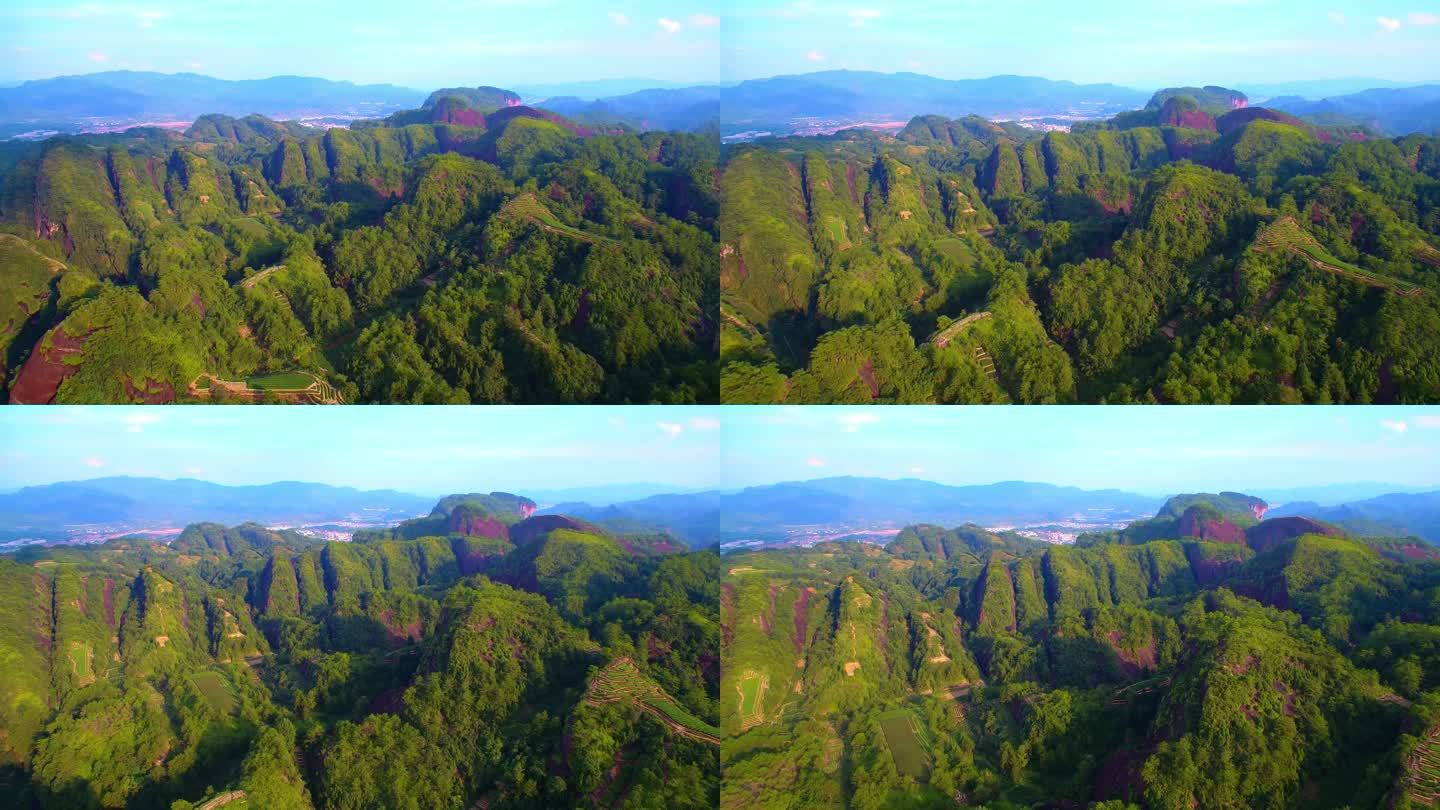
(1428, 421)
(1336, 17)
(194, 65)
(94, 461)
(705, 423)
(860, 16)
(913, 64)
(96, 56)
(815, 56)
(1424, 18)
(136, 422)
(616, 422)
(194, 471)
(619, 19)
(852, 422)
(815, 461)
(704, 20)
(672, 429)
(1388, 24)
(1394, 425)
(917, 470)
(668, 25)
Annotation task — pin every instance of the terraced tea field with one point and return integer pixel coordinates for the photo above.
(622, 681)
(292, 386)
(1285, 234)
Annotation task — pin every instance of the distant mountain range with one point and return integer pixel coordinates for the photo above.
(1315, 88)
(855, 93)
(119, 504)
(1391, 515)
(1393, 111)
(77, 103)
(851, 499)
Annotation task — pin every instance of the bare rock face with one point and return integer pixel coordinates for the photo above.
(1204, 525)
(472, 521)
(43, 372)
(1273, 532)
(535, 528)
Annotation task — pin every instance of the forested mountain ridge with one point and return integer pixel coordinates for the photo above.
(1183, 671)
(516, 661)
(1199, 250)
(474, 250)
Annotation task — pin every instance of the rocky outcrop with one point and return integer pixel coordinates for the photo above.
(1204, 524)
(500, 118)
(1271, 533)
(1231, 121)
(43, 372)
(536, 528)
(472, 521)
(1184, 112)
(1209, 570)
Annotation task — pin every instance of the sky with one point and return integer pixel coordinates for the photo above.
(424, 450)
(1144, 45)
(1152, 450)
(424, 44)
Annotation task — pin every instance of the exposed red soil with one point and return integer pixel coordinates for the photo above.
(534, 528)
(463, 521)
(1209, 571)
(500, 117)
(1213, 529)
(1273, 532)
(767, 619)
(867, 376)
(108, 597)
(802, 619)
(45, 369)
(470, 561)
(1133, 662)
(1172, 115)
(1231, 121)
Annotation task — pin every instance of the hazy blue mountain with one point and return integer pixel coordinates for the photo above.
(594, 88)
(685, 108)
(691, 517)
(1393, 515)
(852, 500)
(603, 494)
(771, 104)
(1331, 494)
(72, 103)
(1315, 88)
(49, 512)
(1394, 111)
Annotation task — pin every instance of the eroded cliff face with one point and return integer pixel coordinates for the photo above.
(1272, 533)
(476, 523)
(43, 372)
(1202, 524)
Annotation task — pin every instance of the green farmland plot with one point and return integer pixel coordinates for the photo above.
(903, 738)
(216, 691)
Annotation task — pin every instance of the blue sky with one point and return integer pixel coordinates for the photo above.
(418, 43)
(1153, 450)
(429, 450)
(1145, 45)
